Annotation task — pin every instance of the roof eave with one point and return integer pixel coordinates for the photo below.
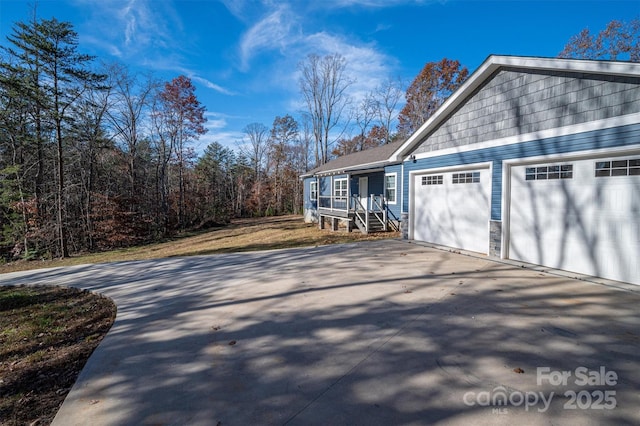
(359, 168)
(493, 63)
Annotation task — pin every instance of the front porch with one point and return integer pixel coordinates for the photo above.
(367, 214)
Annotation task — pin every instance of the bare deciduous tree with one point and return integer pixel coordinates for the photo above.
(388, 95)
(258, 135)
(130, 99)
(256, 149)
(323, 84)
(364, 114)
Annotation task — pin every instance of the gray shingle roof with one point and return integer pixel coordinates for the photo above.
(361, 160)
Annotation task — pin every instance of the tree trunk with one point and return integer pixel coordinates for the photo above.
(62, 229)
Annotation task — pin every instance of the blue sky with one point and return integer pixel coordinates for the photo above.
(242, 55)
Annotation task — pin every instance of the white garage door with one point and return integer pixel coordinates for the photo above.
(453, 209)
(581, 216)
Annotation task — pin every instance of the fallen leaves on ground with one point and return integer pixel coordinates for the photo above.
(46, 336)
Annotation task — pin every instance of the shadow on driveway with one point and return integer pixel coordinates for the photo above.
(380, 332)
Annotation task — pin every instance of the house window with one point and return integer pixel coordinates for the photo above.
(340, 194)
(432, 180)
(313, 191)
(340, 188)
(390, 188)
(563, 171)
(469, 177)
(618, 168)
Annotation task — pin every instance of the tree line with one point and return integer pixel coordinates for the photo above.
(91, 157)
(94, 156)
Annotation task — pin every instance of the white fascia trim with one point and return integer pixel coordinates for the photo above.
(447, 169)
(365, 172)
(620, 68)
(605, 123)
(359, 168)
(494, 62)
(505, 209)
(402, 189)
(575, 155)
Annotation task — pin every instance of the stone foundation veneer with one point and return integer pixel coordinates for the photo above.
(404, 225)
(495, 238)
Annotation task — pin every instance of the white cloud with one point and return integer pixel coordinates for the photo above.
(218, 131)
(382, 27)
(209, 84)
(132, 27)
(215, 120)
(375, 3)
(366, 67)
(129, 19)
(276, 31)
(229, 139)
(279, 30)
(112, 48)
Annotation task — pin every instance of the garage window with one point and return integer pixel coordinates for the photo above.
(618, 168)
(563, 171)
(432, 180)
(471, 177)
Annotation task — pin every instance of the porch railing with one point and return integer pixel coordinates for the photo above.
(332, 202)
(366, 214)
(361, 214)
(379, 210)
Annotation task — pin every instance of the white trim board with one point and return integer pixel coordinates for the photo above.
(606, 123)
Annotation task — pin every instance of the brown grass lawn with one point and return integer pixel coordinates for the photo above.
(48, 333)
(46, 337)
(240, 236)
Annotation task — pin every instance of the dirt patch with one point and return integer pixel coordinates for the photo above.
(46, 336)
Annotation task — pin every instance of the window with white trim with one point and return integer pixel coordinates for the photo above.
(340, 188)
(469, 177)
(390, 188)
(562, 171)
(432, 180)
(340, 194)
(618, 168)
(313, 190)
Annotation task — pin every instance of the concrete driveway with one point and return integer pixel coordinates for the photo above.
(383, 332)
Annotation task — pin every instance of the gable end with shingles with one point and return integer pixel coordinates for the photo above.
(512, 96)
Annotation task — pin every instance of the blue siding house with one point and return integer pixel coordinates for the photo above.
(355, 189)
(531, 159)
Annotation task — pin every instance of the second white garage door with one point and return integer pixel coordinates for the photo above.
(581, 216)
(452, 209)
